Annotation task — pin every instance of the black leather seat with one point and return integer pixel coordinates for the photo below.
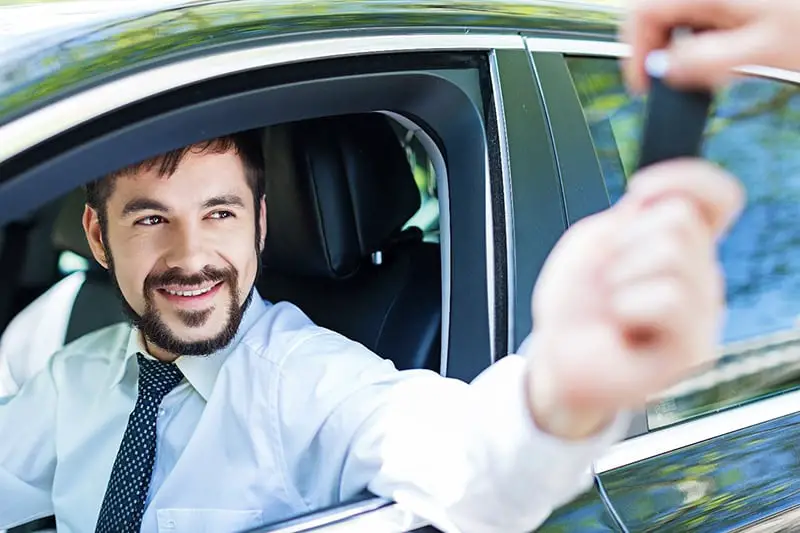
(339, 191)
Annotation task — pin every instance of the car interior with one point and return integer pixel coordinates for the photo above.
(341, 192)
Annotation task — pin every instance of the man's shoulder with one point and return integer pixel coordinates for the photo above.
(284, 331)
(289, 341)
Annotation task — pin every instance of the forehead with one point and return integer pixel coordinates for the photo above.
(197, 176)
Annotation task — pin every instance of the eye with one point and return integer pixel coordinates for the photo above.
(152, 220)
(221, 215)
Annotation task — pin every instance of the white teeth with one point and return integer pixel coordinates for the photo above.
(189, 293)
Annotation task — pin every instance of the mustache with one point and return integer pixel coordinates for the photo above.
(176, 276)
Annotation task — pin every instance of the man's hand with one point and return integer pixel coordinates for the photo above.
(733, 33)
(630, 300)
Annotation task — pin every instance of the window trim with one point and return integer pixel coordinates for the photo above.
(508, 205)
(362, 515)
(534, 196)
(62, 115)
(443, 194)
(642, 446)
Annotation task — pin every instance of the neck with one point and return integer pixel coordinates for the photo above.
(159, 353)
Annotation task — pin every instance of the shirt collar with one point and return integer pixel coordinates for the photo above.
(200, 371)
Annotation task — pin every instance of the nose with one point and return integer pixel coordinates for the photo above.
(187, 249)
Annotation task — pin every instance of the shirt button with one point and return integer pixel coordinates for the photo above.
(161, 412)
(169, 524)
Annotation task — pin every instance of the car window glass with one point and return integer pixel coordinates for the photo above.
(752, 133)
(427, 217)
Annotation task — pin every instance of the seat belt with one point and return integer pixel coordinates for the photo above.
(12, 259)
(96, 305)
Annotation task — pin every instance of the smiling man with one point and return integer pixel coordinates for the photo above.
(188, 247)
(217, 411)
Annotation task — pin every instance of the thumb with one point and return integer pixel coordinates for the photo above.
(707, 59)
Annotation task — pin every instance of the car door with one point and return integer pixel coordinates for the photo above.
(717, 452)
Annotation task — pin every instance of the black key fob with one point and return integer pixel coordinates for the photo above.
(674, 122)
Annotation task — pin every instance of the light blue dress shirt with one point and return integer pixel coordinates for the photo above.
(291, 417)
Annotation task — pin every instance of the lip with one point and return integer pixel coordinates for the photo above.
(199, 301)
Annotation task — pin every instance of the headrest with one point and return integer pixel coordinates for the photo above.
(337, 189)
(68, 231)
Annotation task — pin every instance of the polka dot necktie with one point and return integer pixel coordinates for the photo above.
(123, 504)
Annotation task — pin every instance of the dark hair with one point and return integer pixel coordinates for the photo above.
(246, 144)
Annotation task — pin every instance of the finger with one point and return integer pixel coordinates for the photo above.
(649, 25)
(658, 305)
(673, 217)
(708, 60)
(717, 195)
(670, 238)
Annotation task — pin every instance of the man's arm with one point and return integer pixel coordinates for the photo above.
(614, 324)
(27, 451)
(454, 453)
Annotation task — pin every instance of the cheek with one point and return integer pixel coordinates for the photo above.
(132, 265)
(243, 256)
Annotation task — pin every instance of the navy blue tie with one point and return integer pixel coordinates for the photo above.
(124, 501)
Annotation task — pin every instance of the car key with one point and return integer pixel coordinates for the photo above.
(674, 120)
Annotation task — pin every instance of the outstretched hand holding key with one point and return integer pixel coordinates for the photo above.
(631, 299)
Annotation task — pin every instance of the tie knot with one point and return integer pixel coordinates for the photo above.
(157, 378)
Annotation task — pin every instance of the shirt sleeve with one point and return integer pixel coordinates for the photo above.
(467, 457)
(27, 451)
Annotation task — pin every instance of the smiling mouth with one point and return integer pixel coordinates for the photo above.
(194, 294)
(198, 292)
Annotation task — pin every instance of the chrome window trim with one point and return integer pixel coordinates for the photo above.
(488, 234)
(374, 515)
(665, 440)
(58, 117)
(583, 47)
(684, 434)
(511, 259)
(443, 193)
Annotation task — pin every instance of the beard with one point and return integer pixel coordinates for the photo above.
(151, 322)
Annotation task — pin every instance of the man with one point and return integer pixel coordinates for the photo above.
(218, 411)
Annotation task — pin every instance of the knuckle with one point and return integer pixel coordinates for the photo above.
(686, 219)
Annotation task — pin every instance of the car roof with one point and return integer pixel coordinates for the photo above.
(81, 43)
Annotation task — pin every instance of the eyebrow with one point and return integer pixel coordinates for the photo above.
(225, 200)
(147, 204)
(143, 204)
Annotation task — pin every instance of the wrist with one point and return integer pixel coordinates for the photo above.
(550, 408)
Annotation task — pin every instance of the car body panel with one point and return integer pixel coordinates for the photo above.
(587, 513)
(48, 68)
(722, 484)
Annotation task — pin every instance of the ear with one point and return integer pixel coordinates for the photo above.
(262, 222)
(94, 234)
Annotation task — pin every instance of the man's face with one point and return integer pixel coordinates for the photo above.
(182, 250)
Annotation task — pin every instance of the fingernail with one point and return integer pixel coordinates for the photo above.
(657, 63)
